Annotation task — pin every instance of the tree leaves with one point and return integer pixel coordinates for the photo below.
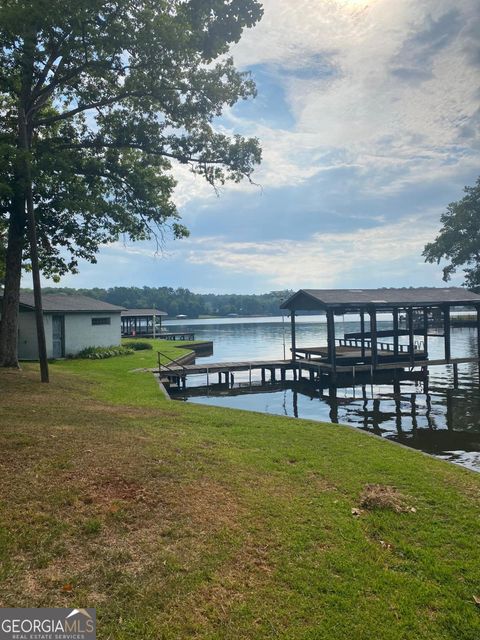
(119, 91)
(458, 241)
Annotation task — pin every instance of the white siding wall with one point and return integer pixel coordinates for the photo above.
(27, 335)
(80, 333)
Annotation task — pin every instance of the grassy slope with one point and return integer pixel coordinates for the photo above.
(181, 521)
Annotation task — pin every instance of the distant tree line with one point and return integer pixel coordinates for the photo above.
(182, 301)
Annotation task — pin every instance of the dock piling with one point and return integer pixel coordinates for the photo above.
(455, 375)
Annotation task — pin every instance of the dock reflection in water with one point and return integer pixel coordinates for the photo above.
(442, 420)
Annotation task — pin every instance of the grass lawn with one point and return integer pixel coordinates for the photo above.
(180, 521)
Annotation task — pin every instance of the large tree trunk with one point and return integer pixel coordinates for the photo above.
(18, 217)
(11, 296)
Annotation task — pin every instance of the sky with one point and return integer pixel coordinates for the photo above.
(368, 116)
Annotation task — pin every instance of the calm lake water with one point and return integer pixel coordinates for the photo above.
(444, 422)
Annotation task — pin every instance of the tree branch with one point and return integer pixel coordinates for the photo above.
(93, 105)
(185, 159)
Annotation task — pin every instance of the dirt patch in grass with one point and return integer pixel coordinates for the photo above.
(210, 504)
(142, 528)
(379, 496)
(249, 569)
(102, 499)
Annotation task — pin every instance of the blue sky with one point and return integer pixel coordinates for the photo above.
(368, 115)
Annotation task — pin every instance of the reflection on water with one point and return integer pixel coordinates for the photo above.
(438, 418)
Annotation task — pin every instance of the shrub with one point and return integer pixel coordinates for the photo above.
(100, 353)
(138, 345)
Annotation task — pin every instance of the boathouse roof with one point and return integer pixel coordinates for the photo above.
(351, 299)
(139, 313)
(65, 303)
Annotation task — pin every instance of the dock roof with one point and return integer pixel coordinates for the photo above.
(351, 299)
(139, 313)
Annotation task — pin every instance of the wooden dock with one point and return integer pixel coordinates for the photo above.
(183, 335)
(177, 373)
(318, 372)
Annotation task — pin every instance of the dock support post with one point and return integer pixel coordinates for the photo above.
(449, 416)
(373, 333)
(425, 382)
(428, 413)
(395, 332)
(398, 411)
(455, 375)
(332, 351)
(232, 379)
(263, 376)
(446, 331)
(396, 383)
(425, 331)
(219, 377)
(413, 406)
(312, 375)
(362, 331)
(250, 375)
(411, 343)
(294, 343)
(333, 415)
(282, 374)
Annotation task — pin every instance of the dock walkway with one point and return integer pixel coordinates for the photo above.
(317, 371)
(183, 335)
(177, 373)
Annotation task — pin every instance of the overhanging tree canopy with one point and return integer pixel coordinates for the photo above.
(458, 241)
(97, 99)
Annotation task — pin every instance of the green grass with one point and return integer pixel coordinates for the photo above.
(120, 380)
(182, 521)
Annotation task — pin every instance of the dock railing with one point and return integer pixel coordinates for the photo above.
(384, 346)
(161, 355)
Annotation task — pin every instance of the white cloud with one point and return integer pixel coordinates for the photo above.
(363, 114)
(388, 89)
(326, 259)
(365, 109)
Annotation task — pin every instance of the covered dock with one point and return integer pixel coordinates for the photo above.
(370, 348)
(145, 323)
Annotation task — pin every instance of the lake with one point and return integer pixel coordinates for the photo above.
(444, 422)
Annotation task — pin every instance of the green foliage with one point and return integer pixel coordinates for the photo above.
(184, 301)
(114, 94)
(138, 345)
(101, 353)
(459, 239)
